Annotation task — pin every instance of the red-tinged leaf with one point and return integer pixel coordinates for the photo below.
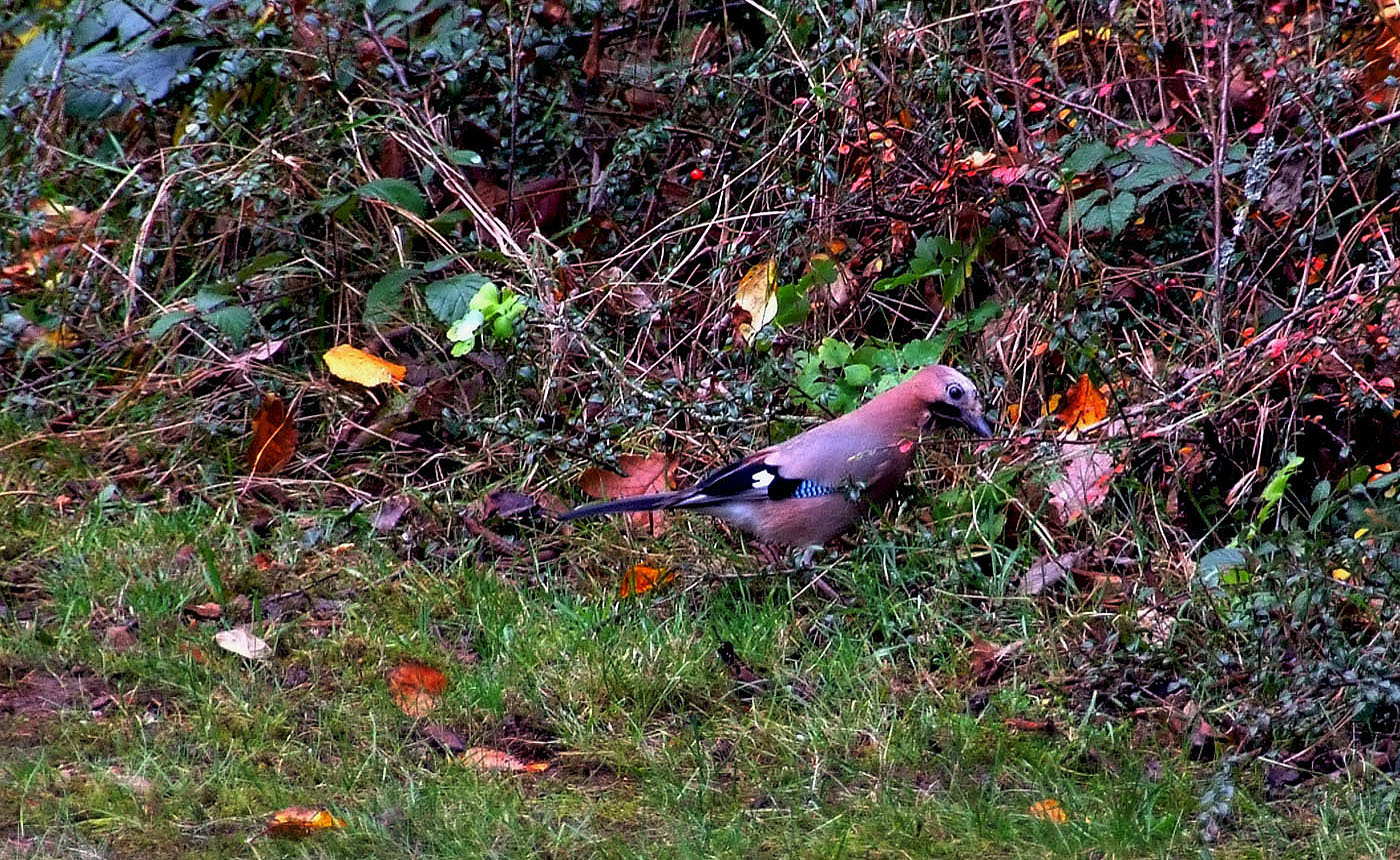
(483, 758)
(274, 436)
(416, 688)
(640, 579)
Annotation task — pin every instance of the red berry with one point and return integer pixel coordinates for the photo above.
(697, 174)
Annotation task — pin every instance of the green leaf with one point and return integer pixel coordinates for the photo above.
(450, 299)
(922, 353)
(1120, 212)
(833, 353)
(793, 306)
(857, 374)
(1278, 484)
(167, 322)
(1078, 210)
(398, 192)
(234, 321)
(261, 264)
(385, 298)
(1086, 157)
(465, 158)
(209, 298)
(1216, 562)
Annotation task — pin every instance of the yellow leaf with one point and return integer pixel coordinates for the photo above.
(1049, 809)
(1341, 574)
(1361, 533)
(1082, 406)
(757, 295)
(298, 822)
(1066, 37)
(356, 365)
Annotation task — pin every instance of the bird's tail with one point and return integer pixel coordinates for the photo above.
(651, 502)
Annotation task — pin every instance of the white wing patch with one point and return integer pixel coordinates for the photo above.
(762, 479)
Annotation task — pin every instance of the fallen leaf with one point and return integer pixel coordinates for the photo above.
(1048, 809)
(445, 738)
(1047, 571)
(274, 436)
(640, 579)
(653, 473)
(483, 758)
(388, 514)
(355, 365)
(299, 822)
(243, 643)
(1084, 486)
(1020, 724)
(989, 661)
(416, 688)
(207, 611)
(508, 503)
(757, 295)
(119, 637)
(1082, 406)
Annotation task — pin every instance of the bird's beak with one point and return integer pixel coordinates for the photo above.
(978, 425)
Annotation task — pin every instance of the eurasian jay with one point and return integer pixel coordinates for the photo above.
(807, 490)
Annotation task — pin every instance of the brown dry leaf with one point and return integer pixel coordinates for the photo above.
(1088, 472)
(299, 822)
(989, 661)
(207, 611)
(1082, 406)
(1047, 571)
(483, 758)
(416, 688)
(243, 643)
(591, 58)
(654, 473)
(1049, 809)
(274, 436)
(355, 365)
(639, 579)
(757, 295)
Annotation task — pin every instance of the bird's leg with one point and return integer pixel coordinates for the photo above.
(770, 555)
(804, 561)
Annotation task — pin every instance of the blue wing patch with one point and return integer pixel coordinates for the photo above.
(810, 490)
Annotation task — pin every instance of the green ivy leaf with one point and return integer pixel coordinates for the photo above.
(450, 298)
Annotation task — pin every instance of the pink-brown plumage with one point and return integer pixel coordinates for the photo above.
(810, 488)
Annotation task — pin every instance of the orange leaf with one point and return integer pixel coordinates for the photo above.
(654, 473)
(274, 436)
(483, 758)
(1082, 406)
(1049, 809)
(299, 822)
(355, 365)
(416, 688)
(640, 579)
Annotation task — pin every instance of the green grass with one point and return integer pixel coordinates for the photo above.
(869, 741)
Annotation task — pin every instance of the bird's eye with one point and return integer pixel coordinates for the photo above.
(955, 392)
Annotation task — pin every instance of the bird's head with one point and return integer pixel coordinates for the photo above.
(951, 399)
